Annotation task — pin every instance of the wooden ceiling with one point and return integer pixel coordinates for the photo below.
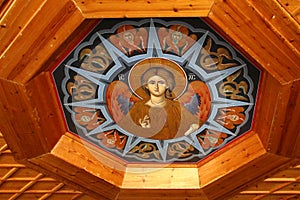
(293, 7)
(20, 182)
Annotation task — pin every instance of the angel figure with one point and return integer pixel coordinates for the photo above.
(130, 39)
(155, 110)
(176, 39)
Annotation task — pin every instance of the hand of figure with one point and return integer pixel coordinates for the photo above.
(193, 127)
(145, 123)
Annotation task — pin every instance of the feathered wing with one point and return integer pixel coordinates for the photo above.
(197, 100)
(119, 100)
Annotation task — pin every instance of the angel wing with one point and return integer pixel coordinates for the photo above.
(197, 100)
(119, 99)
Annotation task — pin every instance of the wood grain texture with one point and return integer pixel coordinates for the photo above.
(283, 184)
(87, 157)
(277, 121)
(77, 178)
(17, 181)
(280, 22)
(17, 16)
(4, 7)
(290, 133)
(232, 170)
(232, 185)
(38, 38)
(143, 8)
(31, 116)
(75, 165)
(157, 194)
(293, 7)
(168, 178)
(47, 109)
(252, 30)
(238, 154)
(34, 35)
(19, 121)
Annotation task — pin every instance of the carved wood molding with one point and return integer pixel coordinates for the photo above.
(36, 34)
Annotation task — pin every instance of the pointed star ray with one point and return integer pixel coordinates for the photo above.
(128, 144)
(216, 99)
(153, 43)
(92, 76)
(189, 56)
(154, 49)
(118, 55)
(131, 142)
(115, 54)
(93, 103)
(105, 126)
(218, 77)
(162, 149)
(223, 102)
(220, 128)
(194, 50)
(215, 77)
(192, 140)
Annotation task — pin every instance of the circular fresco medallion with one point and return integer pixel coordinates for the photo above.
(156, 90)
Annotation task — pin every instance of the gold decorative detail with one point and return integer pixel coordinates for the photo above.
(146, 150)
(81, 88)
(210, 60)
(234, 90)
(180, 150)
(95, 60)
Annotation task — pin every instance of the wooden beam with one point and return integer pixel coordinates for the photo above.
(87, 157)
(35, 37)
(253, 32)
(19, 121)
(79, 165)
(276, 119)
(231, 171)
(45, 105)
(143, 8)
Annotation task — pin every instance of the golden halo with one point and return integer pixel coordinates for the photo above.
(140, 68)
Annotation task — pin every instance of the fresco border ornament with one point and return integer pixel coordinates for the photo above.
(35, 130)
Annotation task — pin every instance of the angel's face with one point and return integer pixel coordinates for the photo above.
(128, 37)
(156, 85)
(176, 37)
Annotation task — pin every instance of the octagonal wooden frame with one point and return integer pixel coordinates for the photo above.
(35, 34)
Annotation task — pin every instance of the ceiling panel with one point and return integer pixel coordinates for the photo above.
(20, 182)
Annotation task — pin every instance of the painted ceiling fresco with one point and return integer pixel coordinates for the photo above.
(156, 90)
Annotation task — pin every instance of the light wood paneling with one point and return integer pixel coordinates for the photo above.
(143, 8)
(35, 37)
(43, 187)
(19, 182)
(35, 34)
(293, 7)
(282, 185)
(275, 46)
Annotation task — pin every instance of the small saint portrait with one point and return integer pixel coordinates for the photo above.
(157, 101)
